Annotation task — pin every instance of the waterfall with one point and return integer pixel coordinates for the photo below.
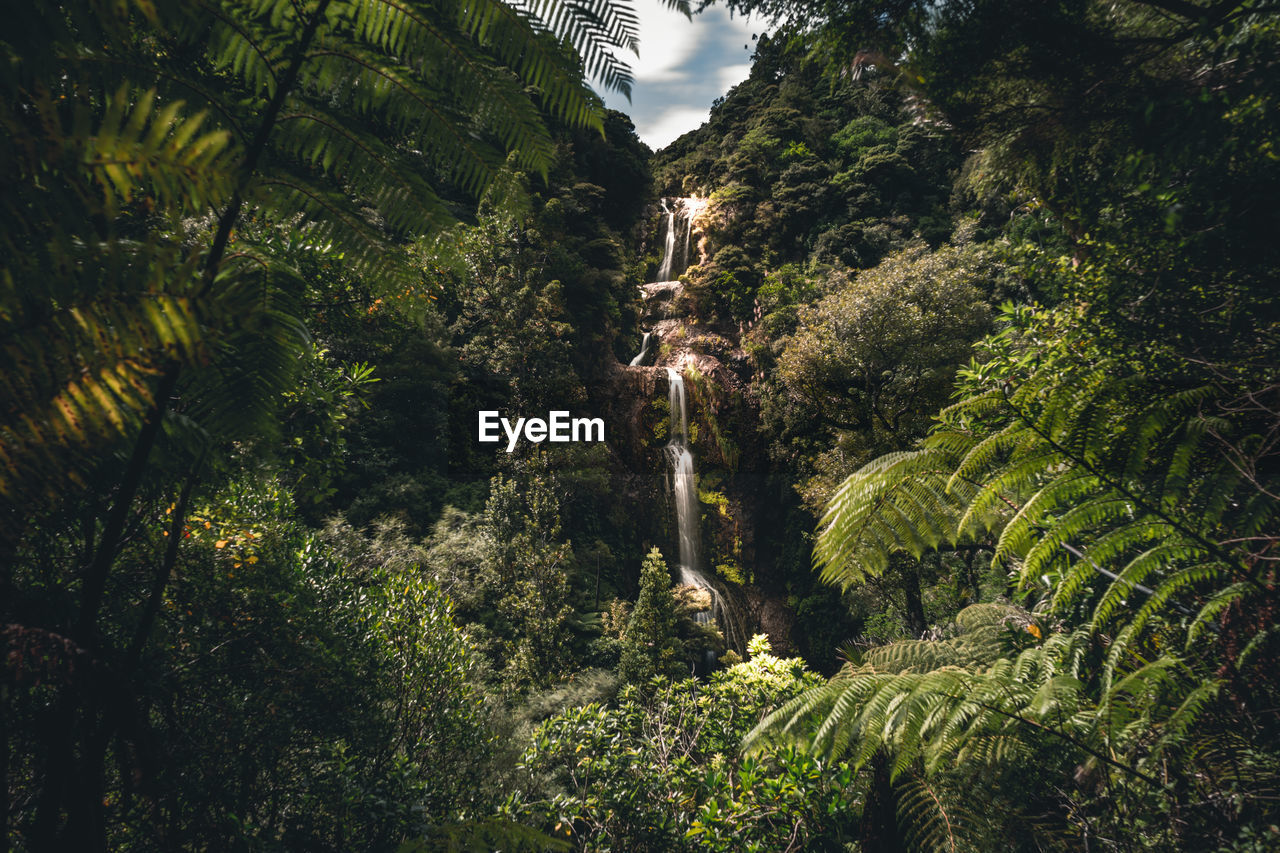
(681, 480)
(644, 350)
(669, 252)
(689, 210)
(683, 485)
(684, 491)
(677, 242)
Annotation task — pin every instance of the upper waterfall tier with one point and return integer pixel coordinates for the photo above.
(679, 218)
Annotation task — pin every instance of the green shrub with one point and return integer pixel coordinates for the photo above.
(659, 770)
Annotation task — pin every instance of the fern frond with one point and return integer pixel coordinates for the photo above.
(591, 27)
(1006, 488)
(81, 378)
(896, 503)
(237, 47)
(138, 149)
(1074, 525)
(1160, 558)
(1174, 729)
(1182, 582)
(928, 817)
(1024, 526)
(1214, 608)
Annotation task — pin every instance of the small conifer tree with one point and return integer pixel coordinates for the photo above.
(650, 646)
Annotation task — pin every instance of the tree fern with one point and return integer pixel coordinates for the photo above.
(165, 164)
(1120, 504)
(136, 133)
(973, 704)
(1150, 499)
(899, 502)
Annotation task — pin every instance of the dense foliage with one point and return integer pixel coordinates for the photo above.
(979, 320)
(1110, 447)
(659, 769)
(198, 194)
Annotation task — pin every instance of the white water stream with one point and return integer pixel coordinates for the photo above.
(678, 241)
(669, 249)
(684, 492)
(684, 488)
(644, 350)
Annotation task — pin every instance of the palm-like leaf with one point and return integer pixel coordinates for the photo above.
(1152, 500)
(130, 126)
(1127, 503)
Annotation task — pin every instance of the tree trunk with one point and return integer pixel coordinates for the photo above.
(880, 814)
(909, 571)
(971, 570)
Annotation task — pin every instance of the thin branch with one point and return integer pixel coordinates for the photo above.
(95, 576)
(165, 571)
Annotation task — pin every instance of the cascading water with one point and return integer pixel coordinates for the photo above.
(669, 251)
(684, 492)
(683, 485)
(644, 350)
(679, 215)
(677, 242)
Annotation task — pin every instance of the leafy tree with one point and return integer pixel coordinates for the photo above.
(313, 421)
(512, 326)
(306, 111)
(299, 690)
(873, 358)
(964, 766)
(522, 526)
(169, 164)
(649, 644)
(779, 159)
(383, 474)
(1114, 118)
(1107, 498)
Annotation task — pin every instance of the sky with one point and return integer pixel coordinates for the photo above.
(683, 66)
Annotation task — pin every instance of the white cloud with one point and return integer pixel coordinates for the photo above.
(667, 41)
(683, 66)
(665, 127)
(732, 75)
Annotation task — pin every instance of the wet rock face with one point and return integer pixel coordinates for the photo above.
(723, 410)
(658, 301)
(776, 620)
(627, 393)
